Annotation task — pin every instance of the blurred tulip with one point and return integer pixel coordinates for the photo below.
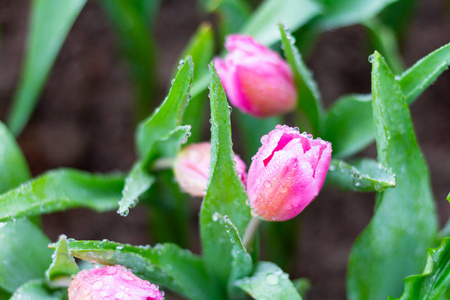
(112, 282)
(287, 173)
(256, 79)
(191, 168)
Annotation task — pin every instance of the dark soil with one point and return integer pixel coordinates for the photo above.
(84, 120)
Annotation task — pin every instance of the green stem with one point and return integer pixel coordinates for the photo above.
(162, 164)
(250, 233)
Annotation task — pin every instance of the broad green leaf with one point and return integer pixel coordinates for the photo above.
(13, 167)
(241, 264)
(262, 25)
(201, 49)
(132, 24)
(434, 282)
(24, 254)
(340, 13)
(60, 190)
(364, 175)
(348, 138)
(63, 265)
(36, 290)
(383, 39)
(309, 101)
(137, 182)
(225, 193)
(404, 223)
(164, 264)
(252, 129)
(50, 23)
(269, 282)
(159, 134)
(398, 16)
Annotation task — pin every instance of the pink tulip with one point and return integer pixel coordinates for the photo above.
(256, 79)
(191, 168)
(112, 283)
(287, 173)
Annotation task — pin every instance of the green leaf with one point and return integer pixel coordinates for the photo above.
(340, 13)
(36, 290)
(159, 134)
(13, 167)
(24, 253)
(161, 124)
(131, 23)
(4, 295)
(383, 39)
(309, 101)
(165, 264)
(59, 190)
(434, 282)
(269, 282)
(63, 265)
(201, 49)
(241, 264)
(363, 175)
(225, 193)
(51, 21)
(348, 138)
(137, 182)
(293, 13)
(405, 222)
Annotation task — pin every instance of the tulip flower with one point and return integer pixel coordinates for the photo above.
(112, 282)
(256, 79)
(287, 173)
(191, 168)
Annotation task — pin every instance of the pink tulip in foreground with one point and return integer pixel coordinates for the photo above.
(256, 79)
(191, 168)
(287, 173)
(111, 283)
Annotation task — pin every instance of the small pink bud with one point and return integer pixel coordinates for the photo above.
(287, 173)
(256, 79)
(191, 168)
(112, 283)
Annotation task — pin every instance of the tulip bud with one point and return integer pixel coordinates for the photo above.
(112, 282)
(287, 173)
(191, 168)
(256, 79)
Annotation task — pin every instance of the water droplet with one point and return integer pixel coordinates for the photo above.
(371, 58)
(97, 285)
(267, 184)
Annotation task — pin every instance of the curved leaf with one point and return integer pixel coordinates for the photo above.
(365, 175)
(404, 224)
(339, 13)
(269, 282)
(63, 265)
(348, 138)
(164, 264)
(225, 193)
(309, 101)
(434, 282)
(36, 290)
(262, 25)
(13, 167)
(60, 190)
(51, 21)
(24, 254)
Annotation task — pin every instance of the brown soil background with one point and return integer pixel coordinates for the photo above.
(84, 121)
